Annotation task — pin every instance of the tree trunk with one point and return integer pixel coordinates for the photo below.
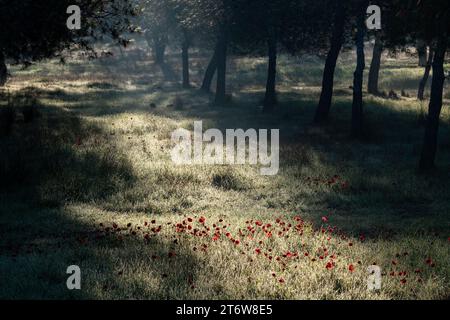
(210, 71)
(185, 59)
(270, 97)
(422, 53)
(374, 71)
(158, 45)
(426, 75)
(323, 108)
(434, 110)
(221, 67)
(3, 70)
(357, 107)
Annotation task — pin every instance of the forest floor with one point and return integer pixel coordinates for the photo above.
(90, 182)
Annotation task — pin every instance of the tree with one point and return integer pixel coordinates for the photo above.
(374, 71)
(426, 75)
(157, 20)
(357, 105)
(429, 148)
(33, 30)
(336, 42)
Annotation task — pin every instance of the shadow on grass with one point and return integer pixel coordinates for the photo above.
(46, 165)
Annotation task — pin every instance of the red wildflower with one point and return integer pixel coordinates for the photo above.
(258, 251)
(190, 219)
(281, 280)
(153, 221)
(351, 268)
(324, 219)
(329, 265)
(350, 244)
(202, 220)
(403, 281)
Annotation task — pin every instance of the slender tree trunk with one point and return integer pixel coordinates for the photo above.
(270, 98)
(210, 71)
(426, 75)
(422, 52)
(323, 108)
(374, 72)
(185, 59)
(3, 70)
(220, 98)
(434, 110)
(357, 107)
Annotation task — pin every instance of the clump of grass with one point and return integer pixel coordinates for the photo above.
(227, 179)
(178, 103)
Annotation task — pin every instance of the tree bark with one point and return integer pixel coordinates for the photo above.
(357, 106)
(426, 75)
(3, 70)
(270, 98)
(210, 71)
(337, 39)
(422, 52)
(374, 72)
(185, 60)
(434, 110)
(220, 98)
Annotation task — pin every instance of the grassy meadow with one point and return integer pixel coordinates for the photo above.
(90, 182)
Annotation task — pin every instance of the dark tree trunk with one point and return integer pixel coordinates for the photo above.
(426, 75)
(357, 107)
(210, 71)
(434, 110)
(3, 70)
(185, 59)
(159, 52)
(422, 53)
(323, 108)
(374, 72)
(222, 47)
(158, 45)
(270, 98)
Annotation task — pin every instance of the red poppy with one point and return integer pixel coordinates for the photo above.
(351, 268)
(258, 251)
(403, 281)
(202, 220)
(281, 280)
(329, 265)
(324, 219)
